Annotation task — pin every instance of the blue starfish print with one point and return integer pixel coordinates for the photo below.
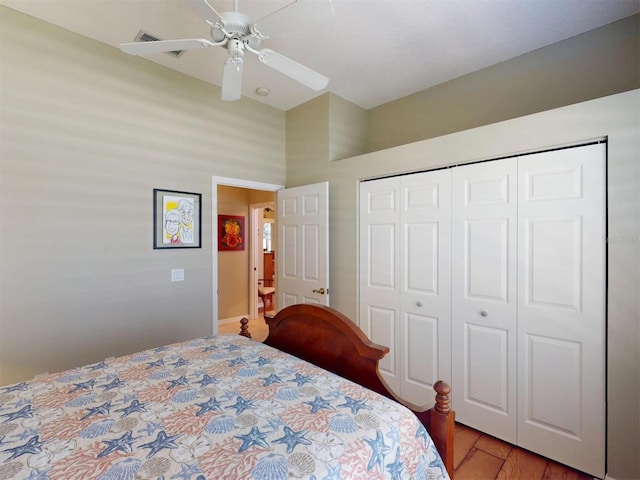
(134, 406)
(22, 402)
(333, 473)
(302, 379)
(38, 475)
(230, 394)
(262, 361)
(160, 349)
(242, 405)
(122, 444)
(237, 361)
(274, 423)
(254, 437)
(271, 379)
(394, 433)
(18, 387)
(231, 348)
(114, 384)
(210, 348)
(33, 446)
(88, 385)
(99, 410)
(355, 405)
(24, 412)
(28, 432)
(150, 428)
(97, 366)
(319, 403)
(207, 380)
(422, 433)
(395, 468)
(157, 363)
(212, 405)
(162, 441)
(379, 450)
(180, 362)
(292, 438)
(182, 381)
(188, 471)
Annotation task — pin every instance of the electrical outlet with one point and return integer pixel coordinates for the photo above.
(177, 275)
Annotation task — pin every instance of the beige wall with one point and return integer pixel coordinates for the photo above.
(592, 65)
(616, 118)
(86, 134)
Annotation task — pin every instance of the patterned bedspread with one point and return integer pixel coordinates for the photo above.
(224, 407)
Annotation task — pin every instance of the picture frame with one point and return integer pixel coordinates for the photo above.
(177, 219)
(231, 233)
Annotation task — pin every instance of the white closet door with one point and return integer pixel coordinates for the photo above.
(405, 302)
(425, 308)
(379, 270)
(561, 314)
(484, 305)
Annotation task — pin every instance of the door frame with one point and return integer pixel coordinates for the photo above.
(255, 209)
(230, 182)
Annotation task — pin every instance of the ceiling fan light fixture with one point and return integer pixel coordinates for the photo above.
(262, 91)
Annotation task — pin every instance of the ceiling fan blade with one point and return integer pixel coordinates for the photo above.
(293, 69)
(142, 48)
(232, 79)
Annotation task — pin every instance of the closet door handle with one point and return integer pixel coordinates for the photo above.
(320, 291)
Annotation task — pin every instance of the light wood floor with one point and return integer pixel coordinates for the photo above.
(482, 457)
(477, 456)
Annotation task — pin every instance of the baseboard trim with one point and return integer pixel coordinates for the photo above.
(226, 321)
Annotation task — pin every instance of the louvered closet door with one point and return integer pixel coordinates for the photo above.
(561, 314)
(405, 298)
(484, 304)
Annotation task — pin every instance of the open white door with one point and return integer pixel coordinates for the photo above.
(303, 245)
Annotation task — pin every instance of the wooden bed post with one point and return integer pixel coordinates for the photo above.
(443, 424)
(244, 328)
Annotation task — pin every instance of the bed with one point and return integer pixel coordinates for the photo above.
(225, 407)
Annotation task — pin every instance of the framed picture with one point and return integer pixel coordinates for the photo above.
(231, 232)
(177, 218)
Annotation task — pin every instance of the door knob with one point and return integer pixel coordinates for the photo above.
(320, 291)
(483, 313)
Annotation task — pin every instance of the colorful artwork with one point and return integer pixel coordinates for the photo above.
(175, 221)
(230, 232)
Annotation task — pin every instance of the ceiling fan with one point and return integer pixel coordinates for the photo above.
(238, 34)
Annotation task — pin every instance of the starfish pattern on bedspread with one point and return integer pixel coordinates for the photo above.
(208, 408)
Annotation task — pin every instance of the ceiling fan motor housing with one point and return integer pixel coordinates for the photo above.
(237, 25)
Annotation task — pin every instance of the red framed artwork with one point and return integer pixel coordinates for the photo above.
(231, 232)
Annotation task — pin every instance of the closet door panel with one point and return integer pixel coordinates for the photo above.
(379, 271)
(484, 302)
(561, 338)
(425, 298)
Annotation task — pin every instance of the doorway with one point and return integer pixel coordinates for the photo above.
(232, 182)
(262, 267)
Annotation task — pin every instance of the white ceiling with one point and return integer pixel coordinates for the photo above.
(373, 51)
